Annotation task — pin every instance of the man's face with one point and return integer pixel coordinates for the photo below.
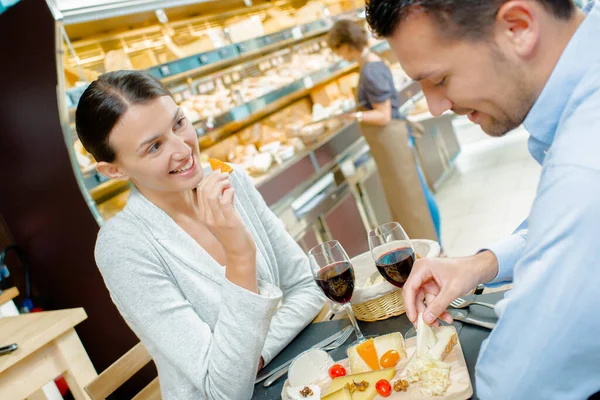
(470, 77)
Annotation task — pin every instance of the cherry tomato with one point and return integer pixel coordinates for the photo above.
(336, 371)
(383, 387)
(389, 359)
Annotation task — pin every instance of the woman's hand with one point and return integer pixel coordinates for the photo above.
(215, 198)
(261, 364)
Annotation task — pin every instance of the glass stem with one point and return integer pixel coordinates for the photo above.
(359, 336)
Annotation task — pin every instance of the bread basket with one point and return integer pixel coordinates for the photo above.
(375, 299)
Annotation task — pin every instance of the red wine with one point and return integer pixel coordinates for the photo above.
(395, 266)
(337, 281)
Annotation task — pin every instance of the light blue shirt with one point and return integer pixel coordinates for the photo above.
(547, 341)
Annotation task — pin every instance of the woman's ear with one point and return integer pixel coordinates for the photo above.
(110, 170)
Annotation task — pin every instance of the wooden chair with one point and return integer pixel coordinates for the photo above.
(121, 371)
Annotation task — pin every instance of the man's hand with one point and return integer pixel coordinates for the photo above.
(438, 281)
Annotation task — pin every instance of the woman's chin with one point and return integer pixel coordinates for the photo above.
(193, 183)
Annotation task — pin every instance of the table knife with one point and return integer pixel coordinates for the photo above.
(322, 343)
(463, 316)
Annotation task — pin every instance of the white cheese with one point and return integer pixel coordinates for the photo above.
(426, 366)
(446, 340)
(426, 338)
(310, 368)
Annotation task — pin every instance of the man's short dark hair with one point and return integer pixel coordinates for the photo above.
(471, 19)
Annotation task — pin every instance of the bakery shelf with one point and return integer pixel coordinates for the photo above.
(233, 120)
(251, 110)
(231, 54)
(239, 52)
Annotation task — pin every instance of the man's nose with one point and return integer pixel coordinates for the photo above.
(437, 102)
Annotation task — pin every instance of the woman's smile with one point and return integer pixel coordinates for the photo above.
(186, 169)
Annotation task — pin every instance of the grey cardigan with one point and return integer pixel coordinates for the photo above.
(204, 333)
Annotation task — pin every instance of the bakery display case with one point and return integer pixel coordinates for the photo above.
(263, 91)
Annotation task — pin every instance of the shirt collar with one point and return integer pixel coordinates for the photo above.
(575, 61)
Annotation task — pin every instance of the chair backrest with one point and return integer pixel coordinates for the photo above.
(122, 370)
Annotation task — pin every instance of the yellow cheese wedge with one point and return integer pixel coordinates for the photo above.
(371, 377)
(341, 394)
(218, 164)
(366, 351)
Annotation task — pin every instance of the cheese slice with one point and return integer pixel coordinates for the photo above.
(219, 165)
(446, 340)
(381, 345)
(341, 394)
(310, 368)
(426, 338)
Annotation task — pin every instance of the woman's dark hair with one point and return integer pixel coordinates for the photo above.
(471, 19)
(349, 32)
(105, 101)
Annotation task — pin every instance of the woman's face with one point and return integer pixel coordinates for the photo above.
(156, 148)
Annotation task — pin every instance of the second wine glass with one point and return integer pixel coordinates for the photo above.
(394, 255)
(333, 272)
(393, 252)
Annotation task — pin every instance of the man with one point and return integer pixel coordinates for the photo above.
(504, 63)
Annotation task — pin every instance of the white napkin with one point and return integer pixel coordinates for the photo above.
(368, 282)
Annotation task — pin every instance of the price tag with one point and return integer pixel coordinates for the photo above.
(165, 70)
(308, 82)
(297, 32)
(348, 168)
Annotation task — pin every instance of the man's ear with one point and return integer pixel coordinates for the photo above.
(518, 27)
(110, 169)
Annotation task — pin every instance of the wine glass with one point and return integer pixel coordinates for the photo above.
(394, 255)
(334, 274)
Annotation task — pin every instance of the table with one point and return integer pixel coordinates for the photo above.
(470, 338)
(48, 347)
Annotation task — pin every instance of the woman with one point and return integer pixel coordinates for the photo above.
(200, 268)
(387, 133)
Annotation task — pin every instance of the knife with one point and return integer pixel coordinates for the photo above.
(462, 316)
(322, 343)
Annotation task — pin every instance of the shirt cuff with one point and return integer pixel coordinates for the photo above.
(508, 253)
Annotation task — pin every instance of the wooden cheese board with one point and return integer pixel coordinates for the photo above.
(460, 383)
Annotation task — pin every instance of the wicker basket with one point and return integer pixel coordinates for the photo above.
(390, 304)
(381, 308)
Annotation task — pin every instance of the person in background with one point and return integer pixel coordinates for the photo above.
(388, 133)
(200, 268)
(505, 63)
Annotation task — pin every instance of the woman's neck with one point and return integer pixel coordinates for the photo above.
(177, 205)
(363, 57)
